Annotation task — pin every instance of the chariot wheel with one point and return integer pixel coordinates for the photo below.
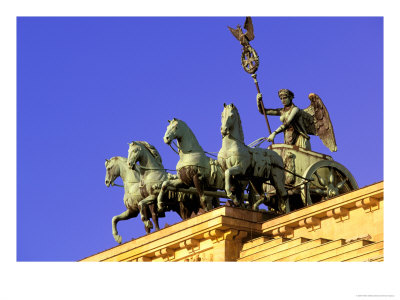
(328, 179)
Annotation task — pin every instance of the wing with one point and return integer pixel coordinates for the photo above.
(235, 32)
(248, 25)
(320, 124)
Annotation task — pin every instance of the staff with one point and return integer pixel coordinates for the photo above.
(249, 57)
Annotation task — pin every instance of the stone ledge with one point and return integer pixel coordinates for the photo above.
(222, 223)
(312, 218)
(221, 234)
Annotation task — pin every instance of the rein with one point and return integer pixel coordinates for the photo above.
(173, 147)
(236, 139)
(114, 184)
(286, 170)
(210, 153)
(155, 169)
(257, 142)
(275, 165)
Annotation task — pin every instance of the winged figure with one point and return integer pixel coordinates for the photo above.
(298, 123)
(244, 38)
(320, 123)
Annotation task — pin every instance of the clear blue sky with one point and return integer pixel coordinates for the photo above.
(88, 86)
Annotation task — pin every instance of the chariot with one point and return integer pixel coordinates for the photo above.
(311, 176)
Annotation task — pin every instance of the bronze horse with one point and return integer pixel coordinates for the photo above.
(152, 176)
(256, 164)
(117, 167)
(194, 168)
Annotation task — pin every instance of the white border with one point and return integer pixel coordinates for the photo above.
(228, 280)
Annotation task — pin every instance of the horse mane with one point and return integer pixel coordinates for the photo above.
(240, 122)
(193, 136)
(124, 160)
(153, 151)
(118, 157)
(115, 158)
(187, 126)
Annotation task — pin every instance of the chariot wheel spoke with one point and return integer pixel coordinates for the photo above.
(320, 179)
(342, 183)
(331, 177)
(318, 191)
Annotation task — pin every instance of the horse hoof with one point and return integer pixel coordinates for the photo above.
(148, 224)
(118, 239)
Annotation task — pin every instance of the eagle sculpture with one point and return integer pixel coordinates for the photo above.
(244, 38)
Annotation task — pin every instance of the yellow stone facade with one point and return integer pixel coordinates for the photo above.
(345, 228)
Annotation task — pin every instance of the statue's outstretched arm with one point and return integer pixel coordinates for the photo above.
(268, 111)
(272, 111)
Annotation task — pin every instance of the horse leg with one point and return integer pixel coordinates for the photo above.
(152, 208)
(205, 202)
(208, 200)
(256, 187)
(160, 202)
(189, 206)
(128, 214)
(183, 211)
(144, 214)
(278, 181)
(215, 202)
(228, 183)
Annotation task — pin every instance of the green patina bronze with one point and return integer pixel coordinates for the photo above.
(117, 167)
(298, 124)
(237, 159)
(153, 175)
(283, 177)
(194, 168)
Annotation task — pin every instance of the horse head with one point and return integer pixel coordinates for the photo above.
(133, 154)
(112, 171)
(173, 131)
(228, 118)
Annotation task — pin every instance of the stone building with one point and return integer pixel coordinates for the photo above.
(346, 228)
